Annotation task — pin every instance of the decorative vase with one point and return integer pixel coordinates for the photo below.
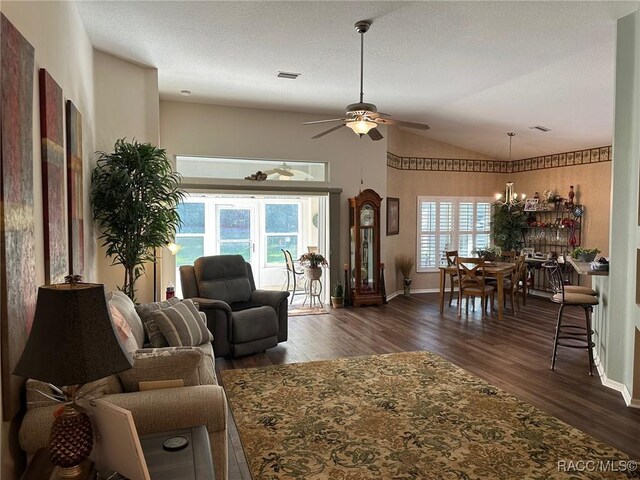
(571, 195)
(407, 287)
(312, 273)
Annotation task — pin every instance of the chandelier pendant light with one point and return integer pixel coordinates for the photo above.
(510, 198)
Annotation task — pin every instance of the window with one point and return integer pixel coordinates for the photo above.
(444, 224)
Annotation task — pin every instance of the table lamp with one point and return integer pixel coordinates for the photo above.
(72, 342)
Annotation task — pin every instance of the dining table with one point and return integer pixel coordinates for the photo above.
(497, 270)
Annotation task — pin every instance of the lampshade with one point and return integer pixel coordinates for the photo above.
(361, 127)
(72, 340)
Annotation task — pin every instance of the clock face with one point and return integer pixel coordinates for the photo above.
(366, 216)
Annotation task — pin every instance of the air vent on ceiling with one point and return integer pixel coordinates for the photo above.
(540, 127)
(289, 75)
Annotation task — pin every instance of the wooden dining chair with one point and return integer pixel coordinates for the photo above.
(452, 261)
(509, 256)
(516, 283)
(471, 283)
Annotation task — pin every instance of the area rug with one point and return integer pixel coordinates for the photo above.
(402, 416)
(298, 312)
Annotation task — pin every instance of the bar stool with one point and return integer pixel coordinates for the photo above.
(567, 334)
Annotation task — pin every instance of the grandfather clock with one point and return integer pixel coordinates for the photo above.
(364, 249)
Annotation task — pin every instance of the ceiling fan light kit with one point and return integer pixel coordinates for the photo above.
(361, 117)
(361, 127)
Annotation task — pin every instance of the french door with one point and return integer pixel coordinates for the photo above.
(236, 233)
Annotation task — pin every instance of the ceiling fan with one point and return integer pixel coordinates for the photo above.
(363, 118)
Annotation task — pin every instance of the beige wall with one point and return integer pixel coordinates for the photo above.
(127, 106)
(199, 129)
(407, 185)
(63, 48)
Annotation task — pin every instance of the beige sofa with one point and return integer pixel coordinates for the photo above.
(154, 410)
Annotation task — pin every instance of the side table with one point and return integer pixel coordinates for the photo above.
(191, 463)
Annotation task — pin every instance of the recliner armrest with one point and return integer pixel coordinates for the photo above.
(205, 304)
(272, 298)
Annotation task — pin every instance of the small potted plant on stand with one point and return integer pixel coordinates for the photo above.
(337, 295)
(312, 263)
(404, 263)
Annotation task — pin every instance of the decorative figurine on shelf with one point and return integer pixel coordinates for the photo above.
(569, 202)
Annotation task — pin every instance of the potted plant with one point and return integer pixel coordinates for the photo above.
(337, 295)
(312, 263)
(405, 263)
(134, 195)
(508, 226)
(490, 254)
(585, 254)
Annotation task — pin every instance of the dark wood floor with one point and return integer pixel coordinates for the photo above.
(513, 354)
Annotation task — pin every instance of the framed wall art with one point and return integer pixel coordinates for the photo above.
(393, 216)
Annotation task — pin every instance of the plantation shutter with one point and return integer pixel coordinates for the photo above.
(445, 224)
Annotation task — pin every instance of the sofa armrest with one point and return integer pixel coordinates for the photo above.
(153, 411)
(174, 408)
(272, 298)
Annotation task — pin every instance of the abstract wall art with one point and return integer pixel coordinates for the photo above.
(74, 190)
(53, 199)
(17, 245)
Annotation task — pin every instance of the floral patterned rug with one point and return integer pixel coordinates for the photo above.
(402, 416)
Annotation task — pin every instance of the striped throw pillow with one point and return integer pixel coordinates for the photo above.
(182, 325)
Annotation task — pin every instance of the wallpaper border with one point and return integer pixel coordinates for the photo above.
(556, 160)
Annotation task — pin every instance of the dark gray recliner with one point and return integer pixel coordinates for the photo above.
(243, 320)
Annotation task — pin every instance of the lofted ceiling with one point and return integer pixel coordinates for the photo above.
(472, 70)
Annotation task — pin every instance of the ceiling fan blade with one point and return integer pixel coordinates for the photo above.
(374, 134)
(328, 131)
(283, 172)
(378, 115)
(401, 123)
(324, 121)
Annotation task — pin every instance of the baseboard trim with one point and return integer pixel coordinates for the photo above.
(617, 386)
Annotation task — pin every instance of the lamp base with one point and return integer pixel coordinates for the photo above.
(71, 443)
(84, 471)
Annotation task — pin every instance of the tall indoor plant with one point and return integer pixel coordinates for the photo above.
(509, 223)
(134, 195)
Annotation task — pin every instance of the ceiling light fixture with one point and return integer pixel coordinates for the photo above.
(510, 198)
(362, 126)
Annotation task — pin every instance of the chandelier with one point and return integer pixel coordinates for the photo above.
(509, 198)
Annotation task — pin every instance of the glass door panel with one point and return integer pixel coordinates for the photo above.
(236, 233)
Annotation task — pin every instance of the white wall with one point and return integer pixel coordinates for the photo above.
(63, 48)
(127, 106)
(624, 313)
(199, 129)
